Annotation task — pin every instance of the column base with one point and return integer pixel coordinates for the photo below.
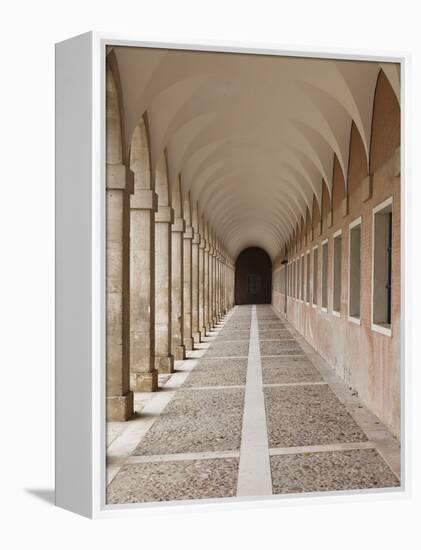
(179, 352)
(165, 365)
(189, 343)
(120, 407)
(145, 381)
(197, 337)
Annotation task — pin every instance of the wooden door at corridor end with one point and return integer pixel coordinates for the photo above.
(253, 277)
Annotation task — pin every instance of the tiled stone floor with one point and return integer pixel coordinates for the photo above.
(175, 480)
(330, 471)
(190, 439)
(197, 421)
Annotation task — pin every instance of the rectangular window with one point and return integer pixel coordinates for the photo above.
(325, 261)
(315, 275)
(355, 269)
(308, 279)
(337, 271)
(382, 265)
(302, 278)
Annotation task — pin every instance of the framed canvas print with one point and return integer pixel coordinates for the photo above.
(230, 320)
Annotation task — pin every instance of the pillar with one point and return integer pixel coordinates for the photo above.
(119, 396)
(202, 318)
(206, 286)
(213, 286)
(164, 360)
(196, 326)
(177, 339)
(187, 288)
(144, 376)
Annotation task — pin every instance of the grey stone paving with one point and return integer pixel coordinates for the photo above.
(285, 360)
(218, 375)
(196, 421)
(269, 347)
(287, 373)
(238, 325)
(176, 480)
(287, 347)
(270, 325)
(234, 335)
(228, 349)
(278, 334)
(308, 415)
(209, 420)
(208, 363)
(330, 471)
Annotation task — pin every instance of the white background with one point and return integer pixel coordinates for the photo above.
(29, 30)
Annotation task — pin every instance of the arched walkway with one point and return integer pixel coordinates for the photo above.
(253, 275)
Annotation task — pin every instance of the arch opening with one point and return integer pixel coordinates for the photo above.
(253, 277)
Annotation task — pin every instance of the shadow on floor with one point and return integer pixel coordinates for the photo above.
(47, 495)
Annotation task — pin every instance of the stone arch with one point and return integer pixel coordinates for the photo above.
(385, 126)
(338, 187)
(115, 145)
(357, 168)
(162, 187)
(140, 157)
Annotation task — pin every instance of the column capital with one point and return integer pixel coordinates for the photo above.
(178, 225)
(196, 238)
(119, 177)
(164, 214)
(203, 243)
(144, 199)
(188, 232)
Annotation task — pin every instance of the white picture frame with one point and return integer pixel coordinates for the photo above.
(80, 270)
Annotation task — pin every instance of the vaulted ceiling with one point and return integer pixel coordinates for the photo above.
(251, 137)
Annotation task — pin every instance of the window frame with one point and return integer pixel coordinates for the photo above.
(315, 268)
(308, 280)
(302, 278)
(338, 233)
(322, 307)
(386, 331)
(355, 223)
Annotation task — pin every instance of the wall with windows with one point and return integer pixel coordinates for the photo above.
(352, 316)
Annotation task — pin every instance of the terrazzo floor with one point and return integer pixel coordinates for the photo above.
(248, 413)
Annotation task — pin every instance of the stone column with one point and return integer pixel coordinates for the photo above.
(211, 324)
(217, 286)
(202, 321)
(195, 288)
(213, 317)
(164, 360)
(144, 376)
(119, 396)
(177, 337)
(187, 286)
(219, 305)
(207, 286)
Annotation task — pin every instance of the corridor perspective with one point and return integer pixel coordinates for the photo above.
(253, 275)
